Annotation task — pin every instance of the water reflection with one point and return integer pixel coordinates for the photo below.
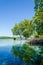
(10, 42)
(7, 57)
(32, 55)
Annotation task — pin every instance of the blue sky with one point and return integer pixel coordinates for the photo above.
(13, 11)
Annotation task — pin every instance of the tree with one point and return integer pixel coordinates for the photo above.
(38, 18)
(38, 4)
(24, 28)
(15, 29)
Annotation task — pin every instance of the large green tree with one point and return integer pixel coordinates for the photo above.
(24, 28)
(38, 18)
(38, 21)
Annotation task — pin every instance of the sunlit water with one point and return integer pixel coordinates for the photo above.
(6, 56)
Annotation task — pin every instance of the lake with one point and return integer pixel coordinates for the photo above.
(6, 56)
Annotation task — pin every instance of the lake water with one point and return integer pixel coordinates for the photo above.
(6, 56)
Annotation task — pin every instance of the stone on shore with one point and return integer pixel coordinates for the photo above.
(35, 41)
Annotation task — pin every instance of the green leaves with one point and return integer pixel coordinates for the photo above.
(38, 4)
(39, 21)
(15, 29)
(24, 28)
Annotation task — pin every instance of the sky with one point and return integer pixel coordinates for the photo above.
(12, 12)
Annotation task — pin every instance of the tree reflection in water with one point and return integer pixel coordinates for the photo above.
(29, 54)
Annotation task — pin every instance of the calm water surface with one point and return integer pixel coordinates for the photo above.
(6, 56)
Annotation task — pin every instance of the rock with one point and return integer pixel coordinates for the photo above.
(35, 41)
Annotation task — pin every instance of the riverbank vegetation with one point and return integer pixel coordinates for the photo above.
(31, 55)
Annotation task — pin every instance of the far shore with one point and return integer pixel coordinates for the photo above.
(7, 37)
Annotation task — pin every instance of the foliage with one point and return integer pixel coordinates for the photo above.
(38, 18)
(15, 29)
(24, 28)
(27, 27)
(26, 52)
(29, 54)
(38, 4)
(38, 21)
